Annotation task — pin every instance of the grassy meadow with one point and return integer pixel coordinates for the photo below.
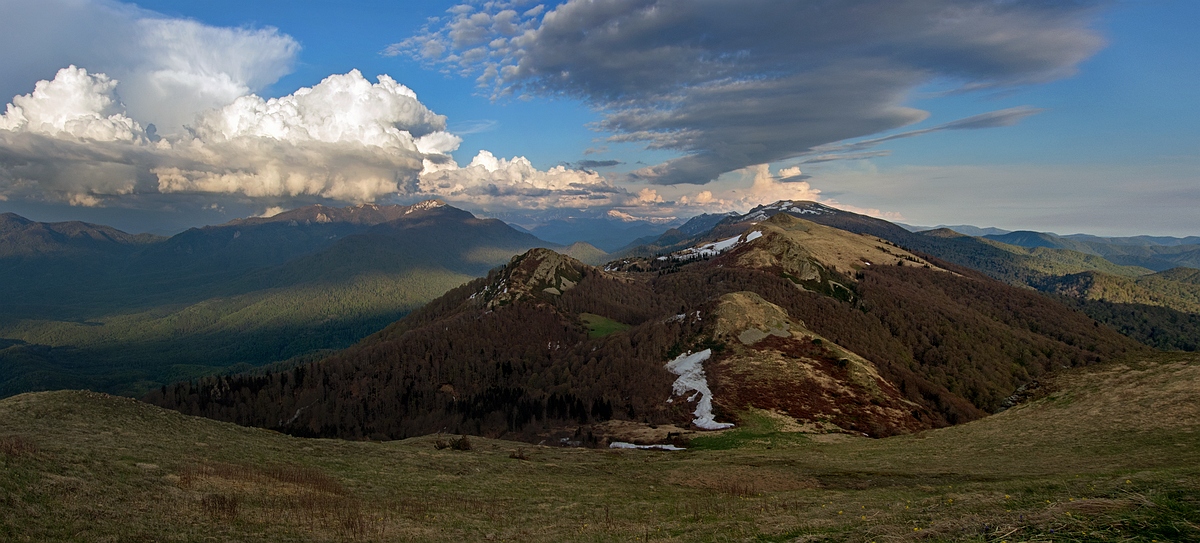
(1108, 453)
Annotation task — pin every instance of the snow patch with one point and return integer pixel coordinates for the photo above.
(689, 367)
(715, 248)
(624, 445)
(422, 206)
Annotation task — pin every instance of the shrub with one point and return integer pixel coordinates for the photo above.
(461, 444)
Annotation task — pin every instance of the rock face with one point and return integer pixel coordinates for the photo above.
(537, 273)
(775, 363)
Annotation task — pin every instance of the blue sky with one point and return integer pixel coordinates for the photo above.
(1092, 126)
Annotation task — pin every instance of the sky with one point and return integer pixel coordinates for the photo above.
(1066, 116)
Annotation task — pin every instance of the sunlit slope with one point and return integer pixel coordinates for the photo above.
(1104, 454)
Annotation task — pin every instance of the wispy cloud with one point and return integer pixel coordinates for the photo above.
(464, 128)
(734, 84)
(856, 150)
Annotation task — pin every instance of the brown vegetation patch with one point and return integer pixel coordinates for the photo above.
(807, 382)
(742, 480)
(295, 495)
(16, 447)
(640, 433)
(1097, 505)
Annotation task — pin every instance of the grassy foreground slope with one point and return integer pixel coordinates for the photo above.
(1106, 453)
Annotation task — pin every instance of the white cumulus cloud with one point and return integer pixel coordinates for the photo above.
(170, 69)
(499, 183)
(74, 104)
(345, 139)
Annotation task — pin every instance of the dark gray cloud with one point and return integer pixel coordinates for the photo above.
(593, 164)
(733, 84)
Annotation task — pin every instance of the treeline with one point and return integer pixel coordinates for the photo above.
(1159, 327)
(522, 368)
(955, 344)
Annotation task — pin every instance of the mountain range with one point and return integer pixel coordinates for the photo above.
(786, 366)
(91, 307)
(829, 329)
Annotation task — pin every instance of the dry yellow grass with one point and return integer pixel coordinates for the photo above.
(1108, 454)
(790, 243)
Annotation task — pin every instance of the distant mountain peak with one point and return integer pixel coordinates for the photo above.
(793, 207)
(363, 214)
(422, 206)
(947, 233)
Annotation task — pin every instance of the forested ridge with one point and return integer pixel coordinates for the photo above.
(956, 344)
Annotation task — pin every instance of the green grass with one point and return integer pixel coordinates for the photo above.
(599, 326)
(1111, 454)
(754, 430)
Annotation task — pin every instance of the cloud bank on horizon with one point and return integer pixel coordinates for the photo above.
(344, 139)
(148, 107)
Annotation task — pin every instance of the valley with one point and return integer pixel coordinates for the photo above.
(95, 310)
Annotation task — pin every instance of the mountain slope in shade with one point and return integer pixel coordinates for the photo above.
(134, 331)
(21, 237)
(256, 242)
(899, 346)
(428, 237)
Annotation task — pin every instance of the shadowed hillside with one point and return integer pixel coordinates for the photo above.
(511, 354)
(236, 296)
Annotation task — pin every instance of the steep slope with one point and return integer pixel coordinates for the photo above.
(897, 345)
